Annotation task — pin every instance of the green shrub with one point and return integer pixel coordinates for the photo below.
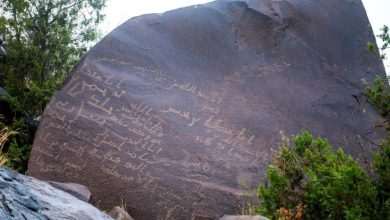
(379, 95)
(5, 133)
(17, 147)
(309, 181)
(382, 169)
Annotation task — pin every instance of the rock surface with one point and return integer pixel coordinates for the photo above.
(77, 190)
(23, 197)
(177, 113)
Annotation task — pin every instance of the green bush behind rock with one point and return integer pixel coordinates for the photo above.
(309, 180)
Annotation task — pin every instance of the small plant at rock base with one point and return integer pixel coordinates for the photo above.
(309, 181)
(18, 145)
(5, 133)
(3, 160)
(379, 96)
(382, 169)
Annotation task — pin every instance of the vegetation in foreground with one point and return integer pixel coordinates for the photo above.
(309, 180)
(5, 133)
(43, 41)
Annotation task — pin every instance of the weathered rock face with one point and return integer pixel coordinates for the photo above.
(23, 197)
(177, 113)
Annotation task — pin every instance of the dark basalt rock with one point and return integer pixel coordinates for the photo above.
(176, 114)
(23, 197)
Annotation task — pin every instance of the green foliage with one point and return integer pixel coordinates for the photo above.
(386, 40)
(379, 95)
(384, 36)
(5, 133)
(18, 145)
(371, 47)
(310, 181)
(44, 39)
(382, 169)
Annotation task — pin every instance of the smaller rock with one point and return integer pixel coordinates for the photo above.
(23, 197)
(77, 190)
(119, 213)
(243, 217)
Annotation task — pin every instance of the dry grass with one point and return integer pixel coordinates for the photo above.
(123, 204)
(5, 133)
(289, 214)
(3, 159)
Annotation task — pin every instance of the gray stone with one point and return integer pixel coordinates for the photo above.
(77, 190)
(23, 197)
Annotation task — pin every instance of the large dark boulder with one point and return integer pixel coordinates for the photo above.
(177, 114)
(23, 197)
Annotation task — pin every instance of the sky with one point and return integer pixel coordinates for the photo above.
(378, 12)
(118, 11)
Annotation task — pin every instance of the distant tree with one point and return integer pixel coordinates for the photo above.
(384, 36)
(308, 180)
(379, 96)
(386, 40)
(44, 39)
